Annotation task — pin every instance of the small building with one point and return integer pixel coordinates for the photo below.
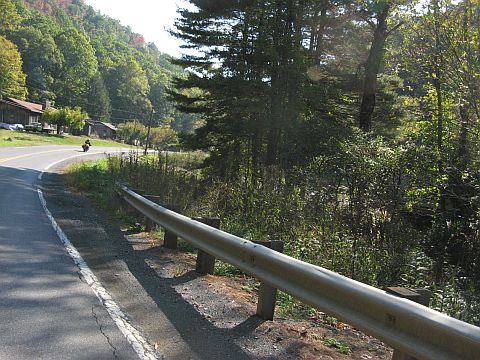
(104, 130)
(87, 129)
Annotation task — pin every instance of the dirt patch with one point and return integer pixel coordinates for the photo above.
(185, 315)
(229, 302)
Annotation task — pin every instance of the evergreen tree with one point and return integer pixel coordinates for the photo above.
(98, 101)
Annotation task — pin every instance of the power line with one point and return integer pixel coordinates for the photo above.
(88, 103)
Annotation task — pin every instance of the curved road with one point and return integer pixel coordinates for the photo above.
(46, 310)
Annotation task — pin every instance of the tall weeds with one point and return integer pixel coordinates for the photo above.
(351, 213)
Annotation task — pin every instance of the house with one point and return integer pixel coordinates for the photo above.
(14, 111)
(104, 130)
(87, 129)
(98, 129)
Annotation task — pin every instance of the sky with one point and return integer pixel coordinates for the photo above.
(149, 18)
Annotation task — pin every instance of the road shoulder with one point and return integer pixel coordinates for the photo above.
(183, 315)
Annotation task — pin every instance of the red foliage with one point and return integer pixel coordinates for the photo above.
(63, 4)
(39, 5)
(137, 40)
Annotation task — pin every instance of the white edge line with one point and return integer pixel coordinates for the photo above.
(72, 157)
(143, 349)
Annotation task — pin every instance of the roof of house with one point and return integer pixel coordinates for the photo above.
(108, 125)
(36, 108)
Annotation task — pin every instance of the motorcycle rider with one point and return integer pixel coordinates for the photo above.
(87, 145)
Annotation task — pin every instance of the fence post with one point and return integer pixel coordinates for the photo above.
(267, 295)
(205, 261)
(421, 296)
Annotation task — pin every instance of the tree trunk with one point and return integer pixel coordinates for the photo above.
(463, 146)
(372, 68)
(442, 206)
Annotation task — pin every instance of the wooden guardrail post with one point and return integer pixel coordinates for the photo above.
(267, 295)
(170, 239)
(205, 261)
(412, 333)
(421, 296)
(149, 224)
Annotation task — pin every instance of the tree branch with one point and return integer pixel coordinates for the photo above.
(395, 27)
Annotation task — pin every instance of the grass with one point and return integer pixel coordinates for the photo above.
(16, 138)
(340, 346)
(94, 180)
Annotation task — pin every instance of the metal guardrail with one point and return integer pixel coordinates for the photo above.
(402, 324)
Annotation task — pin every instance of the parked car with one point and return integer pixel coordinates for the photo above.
(17, 127)
(34, 127)
(6, 126)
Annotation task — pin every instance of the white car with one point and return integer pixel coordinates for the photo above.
(18, 127)
(5, 126)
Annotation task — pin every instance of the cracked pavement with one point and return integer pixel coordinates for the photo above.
(45, 310)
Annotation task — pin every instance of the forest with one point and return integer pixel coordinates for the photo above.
(65, 52)
(346, 128)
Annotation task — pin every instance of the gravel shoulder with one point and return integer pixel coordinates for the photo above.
(185, 315)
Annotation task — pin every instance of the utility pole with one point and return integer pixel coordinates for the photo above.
(148, 131)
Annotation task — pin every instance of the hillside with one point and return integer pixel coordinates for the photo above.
(74, 56)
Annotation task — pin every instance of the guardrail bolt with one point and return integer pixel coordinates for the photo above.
(205, 261)
(267, 295)
(421, 296)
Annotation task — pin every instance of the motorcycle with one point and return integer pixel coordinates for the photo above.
(85, 147)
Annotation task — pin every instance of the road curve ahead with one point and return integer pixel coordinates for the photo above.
(46, 310)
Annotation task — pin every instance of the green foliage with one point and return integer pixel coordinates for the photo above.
(273, 95)
(79, 67)
(341, 346)
(173, 177)
(74, 118)
(130, 87)
(163, 137)
(12, 78)
(132, 132)
(98, 101)
(94, 179)
(9, 16)
(42, 60)
(78, 57)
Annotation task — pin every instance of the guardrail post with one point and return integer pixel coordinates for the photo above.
(267, 295)
(169, 238)
(205, 261)
(421, 296)
(150, 224)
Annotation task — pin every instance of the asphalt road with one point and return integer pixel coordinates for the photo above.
(46, 310)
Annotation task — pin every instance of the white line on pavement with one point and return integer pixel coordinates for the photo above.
(60, 161)
(141, 346)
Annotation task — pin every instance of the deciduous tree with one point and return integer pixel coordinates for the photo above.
(12, 78)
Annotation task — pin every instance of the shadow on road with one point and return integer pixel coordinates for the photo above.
(45, 312)
(103, 246)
